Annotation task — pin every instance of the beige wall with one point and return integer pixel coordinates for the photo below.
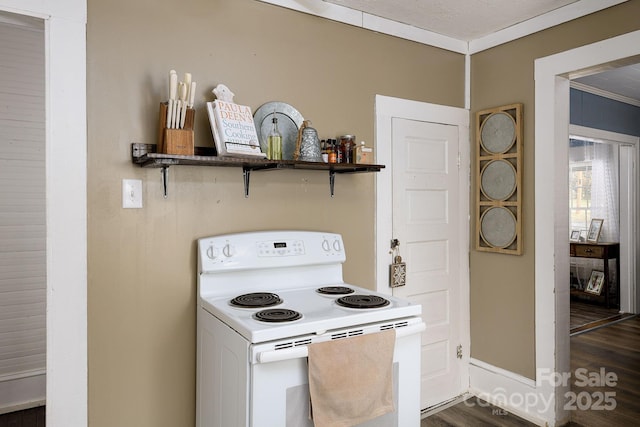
(502, 286)
(142, 282)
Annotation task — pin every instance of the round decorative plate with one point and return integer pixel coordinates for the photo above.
(289, 121)
(498, 227)
(498, 180)
(498, 133)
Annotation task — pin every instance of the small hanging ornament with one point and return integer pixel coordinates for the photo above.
(397, 269)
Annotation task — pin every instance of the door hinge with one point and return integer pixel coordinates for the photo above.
(459, 351)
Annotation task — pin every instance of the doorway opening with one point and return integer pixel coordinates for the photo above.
(23, 230)
(602, 186)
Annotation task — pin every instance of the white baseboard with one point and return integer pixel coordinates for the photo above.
(22, 392)
(509, 391)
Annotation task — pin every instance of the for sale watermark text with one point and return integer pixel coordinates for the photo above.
(596, 393)
(583, 400)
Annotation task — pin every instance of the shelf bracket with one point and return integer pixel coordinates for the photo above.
(332, 181)
(246, 174)
(165, 181)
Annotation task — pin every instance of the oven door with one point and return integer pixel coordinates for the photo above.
(279, 391)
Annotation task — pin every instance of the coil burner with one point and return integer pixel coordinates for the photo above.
(277, 315)
(335, 290)
(362, 301)
(256, 300)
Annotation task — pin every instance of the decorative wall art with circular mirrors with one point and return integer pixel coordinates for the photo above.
(499, 180)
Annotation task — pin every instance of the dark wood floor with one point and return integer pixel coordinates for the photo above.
(34, 417)
(474, 412)
(614, 348)
(584, 313)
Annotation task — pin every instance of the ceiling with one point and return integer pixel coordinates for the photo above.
(624, 82)
(460, 19)
(473, 20)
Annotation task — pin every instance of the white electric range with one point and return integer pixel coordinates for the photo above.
(263, 297)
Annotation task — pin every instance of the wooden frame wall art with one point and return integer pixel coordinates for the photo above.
(499, 180)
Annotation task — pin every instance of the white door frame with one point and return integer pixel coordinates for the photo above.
(552, 75)
(386, 109)
(66, 204)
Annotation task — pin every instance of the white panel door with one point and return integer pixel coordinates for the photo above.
(425, 221)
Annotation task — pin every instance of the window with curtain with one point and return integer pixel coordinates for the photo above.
(594, 187)
(593, 193)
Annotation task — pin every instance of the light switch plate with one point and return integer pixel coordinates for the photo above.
(131, 193)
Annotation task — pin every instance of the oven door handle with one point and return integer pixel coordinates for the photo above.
(301, 351)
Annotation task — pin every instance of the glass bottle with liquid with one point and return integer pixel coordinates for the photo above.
(274, 141)
(331, 153)
(347, 143)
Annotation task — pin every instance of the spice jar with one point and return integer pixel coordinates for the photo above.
(331, 151)
(347, 143)
(338, 150)
(363, 154)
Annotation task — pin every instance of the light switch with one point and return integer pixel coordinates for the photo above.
(131, 193)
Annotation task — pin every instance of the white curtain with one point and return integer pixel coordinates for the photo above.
(605, 192)
(605, 196)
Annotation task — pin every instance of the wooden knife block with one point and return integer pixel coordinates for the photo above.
(176, 141)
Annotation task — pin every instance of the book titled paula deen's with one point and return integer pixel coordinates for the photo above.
(233, 128)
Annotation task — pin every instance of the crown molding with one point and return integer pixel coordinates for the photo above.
(556, 17)
(367, 21)
(603, 93)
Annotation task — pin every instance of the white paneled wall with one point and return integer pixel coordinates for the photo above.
(22, 212)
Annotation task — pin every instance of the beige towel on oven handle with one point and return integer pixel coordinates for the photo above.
(351, 379)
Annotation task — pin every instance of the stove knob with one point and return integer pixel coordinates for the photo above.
(326, 246)
(336, 246)
(212, 252)
(228, 250)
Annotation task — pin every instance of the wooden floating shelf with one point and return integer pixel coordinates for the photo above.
(145, 156)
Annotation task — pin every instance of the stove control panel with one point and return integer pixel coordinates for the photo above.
(269, 249)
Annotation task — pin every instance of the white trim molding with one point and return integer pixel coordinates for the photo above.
(408, 32)
(509, 391)
(367, 21)
(563, 14)
(603, 93)
(552, 75)
(66, 159)
(16, 391)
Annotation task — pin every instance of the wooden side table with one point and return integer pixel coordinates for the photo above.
(604, 251)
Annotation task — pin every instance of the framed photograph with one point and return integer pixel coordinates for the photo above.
(594, 230)
(583, 236)
(575, 236)
(596, 282)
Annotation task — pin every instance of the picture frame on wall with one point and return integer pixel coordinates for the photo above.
(575, 236)
(594, 230)
(596, 281)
